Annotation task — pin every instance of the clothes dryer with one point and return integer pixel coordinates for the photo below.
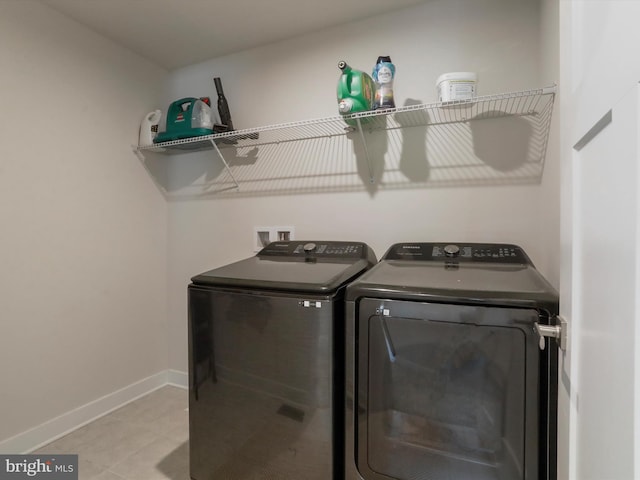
(446, 378)
(266, 363)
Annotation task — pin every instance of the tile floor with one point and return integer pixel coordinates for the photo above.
(146, 439)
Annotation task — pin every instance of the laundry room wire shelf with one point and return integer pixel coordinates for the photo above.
(533, 105)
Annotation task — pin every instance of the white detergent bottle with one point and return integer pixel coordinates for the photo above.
(149, 127)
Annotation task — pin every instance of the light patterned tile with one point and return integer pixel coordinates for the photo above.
(106, 475)
(116, 444)
(155, 407)
(162, 459)
(180, 432)
(87, 469)
(144, 440)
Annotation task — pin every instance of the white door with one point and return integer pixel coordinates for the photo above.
(599, 410)
(599, 378)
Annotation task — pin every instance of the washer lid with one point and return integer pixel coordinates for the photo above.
(300, 266)
(497, 274)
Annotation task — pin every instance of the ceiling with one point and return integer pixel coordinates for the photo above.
(175, 33)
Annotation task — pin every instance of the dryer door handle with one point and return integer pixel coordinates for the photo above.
(382, 313)
(387, 338)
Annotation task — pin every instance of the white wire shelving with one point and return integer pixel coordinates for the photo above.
(533, 105)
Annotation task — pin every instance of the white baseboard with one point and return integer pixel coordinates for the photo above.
(178, 379)
(57, 427)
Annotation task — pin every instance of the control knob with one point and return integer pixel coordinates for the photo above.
(309, 247)
(451, 250)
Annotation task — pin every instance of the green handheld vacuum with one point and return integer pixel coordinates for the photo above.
(186, 118)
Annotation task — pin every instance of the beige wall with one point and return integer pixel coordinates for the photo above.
(295, 80)
(83, 228)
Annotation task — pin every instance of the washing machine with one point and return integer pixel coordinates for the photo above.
(449, 375)
(266, 363)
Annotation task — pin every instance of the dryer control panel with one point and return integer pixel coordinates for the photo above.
(458, 252)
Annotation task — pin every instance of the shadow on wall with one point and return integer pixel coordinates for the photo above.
(510, 152)
(398, 152)
(413, 157)
(174, 173)
(370, 149)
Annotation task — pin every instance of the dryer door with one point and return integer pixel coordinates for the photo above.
(446, 392)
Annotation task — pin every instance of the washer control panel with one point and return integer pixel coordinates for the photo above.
(462, 252)
(317, 249)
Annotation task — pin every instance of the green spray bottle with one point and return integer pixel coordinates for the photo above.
(356, 90)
